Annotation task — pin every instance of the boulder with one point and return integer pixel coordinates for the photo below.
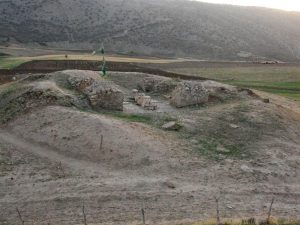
(171, 126)
(189, 93)
(246, 169)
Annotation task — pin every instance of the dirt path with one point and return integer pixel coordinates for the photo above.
(49, 153)
(283, 102)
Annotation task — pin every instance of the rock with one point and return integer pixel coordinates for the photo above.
(230, 161)
(234, 126)
(169, 184)
(266, 100)
(171, 126)
(222, 149)
(194, 141)
(246, 169)
(189, 93)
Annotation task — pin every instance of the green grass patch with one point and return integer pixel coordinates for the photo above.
(6, 164)
(260, 73)
(281, 80)
(216, 149)
(7, 90)
(287, 89)
(131, 117)
(10, 62)
(149, 119)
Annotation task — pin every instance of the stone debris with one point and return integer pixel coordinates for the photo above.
(173, 125)
(246, 169)
(189, 93)
(234, 126)
(216, 87)
(143, 100)
(222, 149)
(157, 84)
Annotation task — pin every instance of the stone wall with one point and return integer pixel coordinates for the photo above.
(157, 84)
(104, 96)
(101, 93)
(189, 93)
(143, 100)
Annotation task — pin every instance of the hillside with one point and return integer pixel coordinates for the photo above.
(179, 28)
(59, 149)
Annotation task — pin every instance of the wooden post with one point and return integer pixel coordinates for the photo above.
(143, 216)
(20, 216)
(270, 211)
(62, 169)
(101, 142)
(218, 211)
(84, 215)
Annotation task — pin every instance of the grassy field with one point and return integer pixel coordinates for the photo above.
(276, 79)
(11, 62)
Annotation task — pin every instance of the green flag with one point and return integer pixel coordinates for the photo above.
(104, 69)
(102, 50)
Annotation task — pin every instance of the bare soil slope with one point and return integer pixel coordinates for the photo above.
(242, 149)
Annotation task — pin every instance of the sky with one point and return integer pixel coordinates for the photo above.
(289, 5)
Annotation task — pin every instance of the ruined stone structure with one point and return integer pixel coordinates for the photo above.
(143, 100)
(105, 96)
(189, 93)
(101, 93)
(157, 84)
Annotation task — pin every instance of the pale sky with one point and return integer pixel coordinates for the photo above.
(290, 5)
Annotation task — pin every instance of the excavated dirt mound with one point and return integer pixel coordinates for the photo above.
(82, 89)
(54, 158)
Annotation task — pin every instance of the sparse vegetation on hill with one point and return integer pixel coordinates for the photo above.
(156, 27)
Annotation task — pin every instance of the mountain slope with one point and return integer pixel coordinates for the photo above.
(169, 27)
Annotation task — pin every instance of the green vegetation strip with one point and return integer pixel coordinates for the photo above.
(131, 117)
(10, 63)
(287, 89)
(281, 80)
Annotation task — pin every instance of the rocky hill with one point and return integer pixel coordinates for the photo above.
(178, 28)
